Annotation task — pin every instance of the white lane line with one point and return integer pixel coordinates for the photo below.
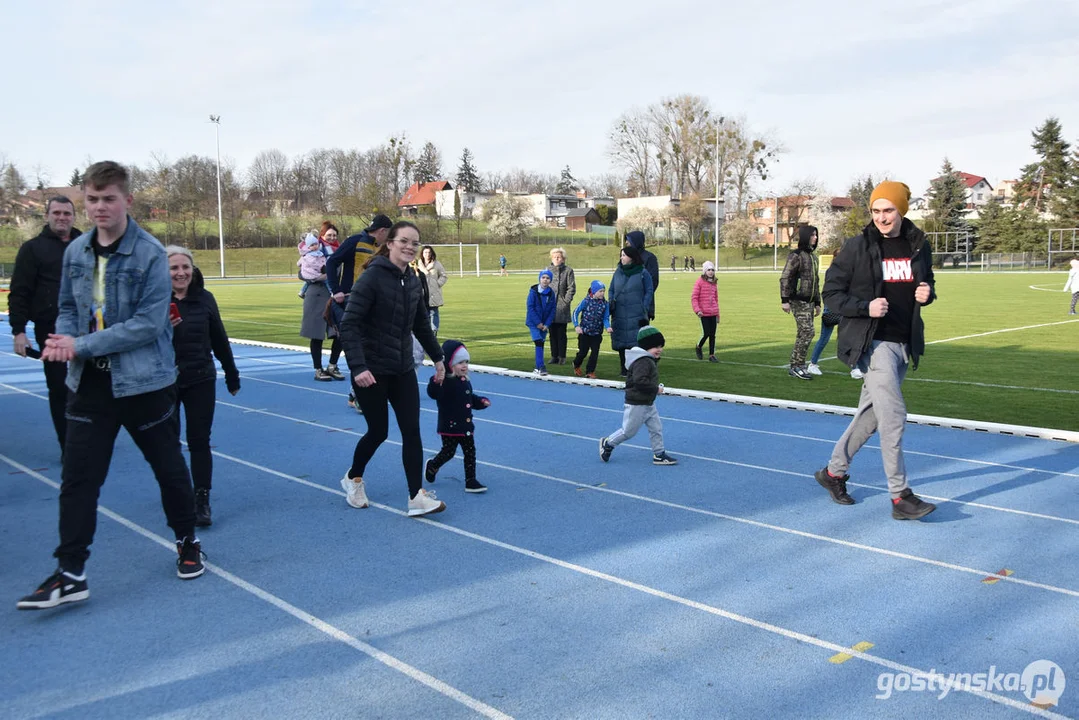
(678, 599)
(303, 616)
(710, 513)
(721, 426)
(1003, 330)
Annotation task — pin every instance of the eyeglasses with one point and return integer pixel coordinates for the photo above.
(406, 243)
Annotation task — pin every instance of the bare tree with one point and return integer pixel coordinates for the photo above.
(752, 157)
(632, 146)
(268, 177)
(683, 124)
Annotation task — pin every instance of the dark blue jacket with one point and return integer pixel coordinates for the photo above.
(456, 402)
(341, 266)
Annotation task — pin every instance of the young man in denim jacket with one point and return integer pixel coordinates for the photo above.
(114, 331)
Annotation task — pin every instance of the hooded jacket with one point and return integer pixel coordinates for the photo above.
(642, 379)
(199, 333)
(35, 284)
(631, 295)
(856, 277)
(801, 275)
(455, 399)
(386, 307)
(540, 310)
(636, 239)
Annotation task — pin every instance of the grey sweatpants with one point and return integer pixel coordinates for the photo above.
(881, 408)
(633, 416)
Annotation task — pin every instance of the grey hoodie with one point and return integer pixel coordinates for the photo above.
(642, 380)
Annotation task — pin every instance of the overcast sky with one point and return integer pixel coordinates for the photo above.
(846, 86)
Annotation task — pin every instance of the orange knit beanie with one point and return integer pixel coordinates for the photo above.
(895, 192)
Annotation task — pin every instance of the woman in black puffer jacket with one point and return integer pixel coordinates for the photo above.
(197, 331)
(386, 307)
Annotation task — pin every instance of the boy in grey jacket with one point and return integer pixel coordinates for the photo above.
(642, 386)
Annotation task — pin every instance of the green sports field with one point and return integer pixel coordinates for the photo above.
(1002, 347)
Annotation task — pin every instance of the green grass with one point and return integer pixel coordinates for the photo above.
(1024, 377)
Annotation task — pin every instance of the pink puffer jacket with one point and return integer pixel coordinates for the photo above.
(705, 298)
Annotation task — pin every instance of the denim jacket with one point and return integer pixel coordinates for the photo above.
(137, 337)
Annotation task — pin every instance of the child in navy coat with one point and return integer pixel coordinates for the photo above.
(541, 311)
(456, 402)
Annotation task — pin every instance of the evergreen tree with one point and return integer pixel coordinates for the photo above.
(428, 166)
(948, 200)
(567, 184)
(457, 217)
(1043, 183)
(468, 179)
(860, 191)
(76, 178)
(994, 227)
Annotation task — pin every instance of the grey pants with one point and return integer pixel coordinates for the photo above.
(880, 409)
(633, 416)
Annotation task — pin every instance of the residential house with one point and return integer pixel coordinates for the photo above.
(660, 209)
(1005, 191)
(471, 202)
(422, 195)
(32, 204)
(785, 214)
(978, 189)
(582, 219)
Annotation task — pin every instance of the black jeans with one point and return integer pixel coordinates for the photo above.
(449, 448)
(588, 344)
(558, 342)
(55, 381)
(198, 401)
(403, 393)
(94, 419)
(708, 332)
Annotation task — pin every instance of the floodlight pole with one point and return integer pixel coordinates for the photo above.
(715, 232)
(216, 120)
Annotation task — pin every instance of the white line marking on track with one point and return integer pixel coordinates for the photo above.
(685, 602)
(303, 616)
(710, 513)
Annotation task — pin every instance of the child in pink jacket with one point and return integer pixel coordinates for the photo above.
(705, 301)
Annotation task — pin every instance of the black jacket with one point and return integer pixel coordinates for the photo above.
(35, 284)
(855, 278)
(200, 333)
(456, 401)
(386, 307)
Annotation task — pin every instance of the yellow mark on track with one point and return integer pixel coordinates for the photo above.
(841, 658)
(997, 576)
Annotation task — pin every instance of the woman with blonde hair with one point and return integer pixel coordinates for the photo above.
(564, 285)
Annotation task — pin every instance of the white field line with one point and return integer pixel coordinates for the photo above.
(302, 615)
(713, 610)
(710, 513)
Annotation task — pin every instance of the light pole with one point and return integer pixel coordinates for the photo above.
(216, 120)
(715, 232)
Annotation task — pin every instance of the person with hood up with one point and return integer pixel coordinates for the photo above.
(799, 292)
(197, 331)
(878, 283)
(539, 314)
(631, 295)
(635, 238)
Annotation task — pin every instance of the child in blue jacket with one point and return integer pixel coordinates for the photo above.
(540, 315)
(456, 401)
(591, 317)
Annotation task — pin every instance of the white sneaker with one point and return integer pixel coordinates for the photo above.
(354, 492)
(424, 503)
(814, 369)
(857, 374)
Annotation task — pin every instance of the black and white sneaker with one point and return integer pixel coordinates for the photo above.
(189, 564)
(909, 506)
(800, 373)
(472, 485)
(663, 459)
(59, 588)
(605, 450)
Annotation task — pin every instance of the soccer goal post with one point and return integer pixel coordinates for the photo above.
(1063, 246)
(459, 258)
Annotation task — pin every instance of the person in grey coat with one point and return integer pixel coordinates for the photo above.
(631, 296)
(564, 286)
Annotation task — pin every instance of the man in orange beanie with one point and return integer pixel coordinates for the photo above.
(878, 283)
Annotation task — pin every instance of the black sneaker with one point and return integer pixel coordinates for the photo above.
(59, 588)
(472, 485)
(189, 564)
(910, 507)
(700, 354)
(605, 450)
(663, 459)
(836, 487)
(428, 473)
(800, 373)
(202, 508)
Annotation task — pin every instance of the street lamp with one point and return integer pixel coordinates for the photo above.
(216, 120)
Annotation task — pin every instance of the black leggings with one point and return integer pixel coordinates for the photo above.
(316, 352)
(587, 345)
(708, 328)
(198, 403)
(403, 393)
(449, 448)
